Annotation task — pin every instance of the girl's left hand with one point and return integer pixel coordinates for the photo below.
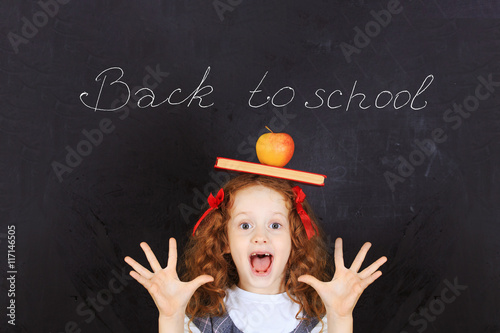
(341, 294)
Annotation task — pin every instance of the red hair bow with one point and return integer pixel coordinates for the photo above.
(309, 225)
(214, 203)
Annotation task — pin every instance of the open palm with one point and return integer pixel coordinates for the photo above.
(341, 294)
(170, 294)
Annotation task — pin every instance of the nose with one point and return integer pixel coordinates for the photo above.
(259, 236)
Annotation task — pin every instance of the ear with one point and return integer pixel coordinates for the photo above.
(226, 250)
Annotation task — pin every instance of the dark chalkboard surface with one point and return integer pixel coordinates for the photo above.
(112, 114)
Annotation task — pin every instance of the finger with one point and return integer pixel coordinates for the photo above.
(155, 265)
(369, 280)
(138, 268)
(310, 280)
(339, 255)
(141, 279)
(172, 254)
(360, 257)
(199, 281)
(372, 268)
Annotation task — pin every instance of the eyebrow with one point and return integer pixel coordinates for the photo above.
(249, 213)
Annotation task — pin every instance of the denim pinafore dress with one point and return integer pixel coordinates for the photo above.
(224, 324)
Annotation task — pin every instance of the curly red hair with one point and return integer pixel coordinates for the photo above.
(204, 254)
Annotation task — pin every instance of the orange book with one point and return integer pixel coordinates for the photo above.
(268, 170)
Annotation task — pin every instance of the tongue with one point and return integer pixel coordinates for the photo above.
(261, 264)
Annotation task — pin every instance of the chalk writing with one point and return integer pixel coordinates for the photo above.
(383, 99)
(147, 95)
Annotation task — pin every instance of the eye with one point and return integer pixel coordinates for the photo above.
(275, 225)
(245, 226)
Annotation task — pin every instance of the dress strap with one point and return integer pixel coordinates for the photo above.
(222, 324)
(306, 326)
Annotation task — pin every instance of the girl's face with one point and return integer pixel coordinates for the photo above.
(259, 239)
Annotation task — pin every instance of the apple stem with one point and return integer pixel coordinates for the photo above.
(269, 129)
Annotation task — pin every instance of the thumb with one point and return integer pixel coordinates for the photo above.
(200, 280)
(310, 280)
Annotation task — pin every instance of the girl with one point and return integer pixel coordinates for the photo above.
(256, 262)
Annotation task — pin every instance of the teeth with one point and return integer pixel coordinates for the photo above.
(266, 254)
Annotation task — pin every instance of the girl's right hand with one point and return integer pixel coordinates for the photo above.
(170, 294)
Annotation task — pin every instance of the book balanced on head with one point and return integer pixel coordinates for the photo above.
(268, 170)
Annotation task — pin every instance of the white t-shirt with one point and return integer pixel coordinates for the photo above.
(256, 313)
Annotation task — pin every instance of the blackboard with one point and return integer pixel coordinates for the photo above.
(395, 101)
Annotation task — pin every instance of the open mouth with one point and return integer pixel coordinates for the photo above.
(261, 262)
